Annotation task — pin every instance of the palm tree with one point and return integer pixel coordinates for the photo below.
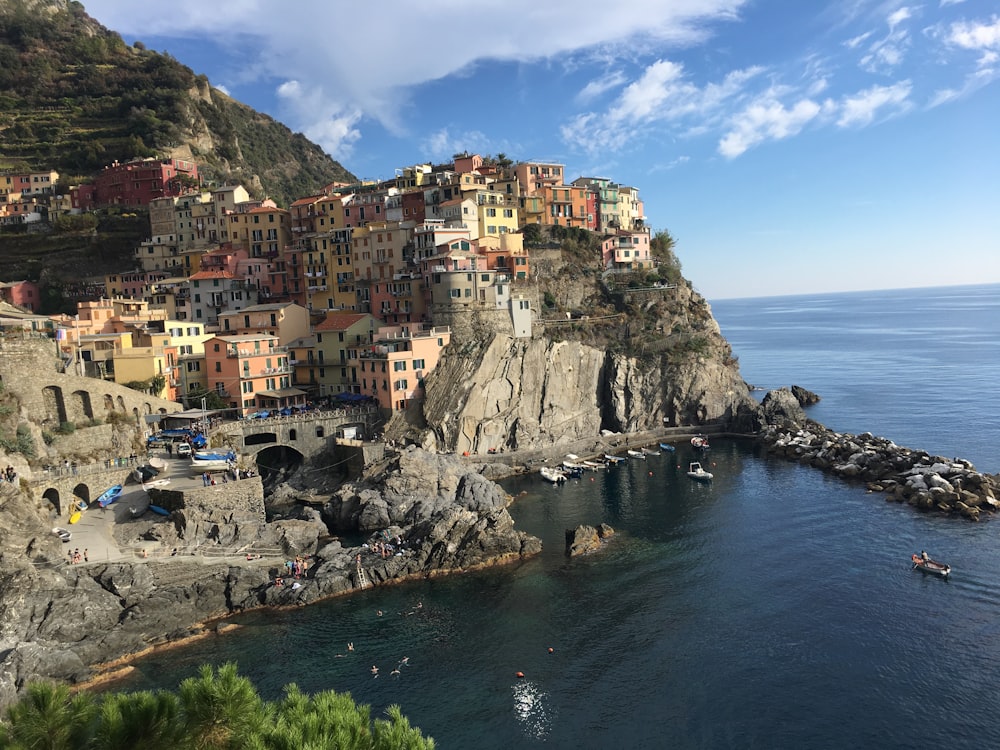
(49, 718)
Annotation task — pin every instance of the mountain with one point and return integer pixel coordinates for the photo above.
(74, 97)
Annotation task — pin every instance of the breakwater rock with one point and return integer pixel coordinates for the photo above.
(428, 515)
(933, 483)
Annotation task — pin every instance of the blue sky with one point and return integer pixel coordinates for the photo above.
(790, 147)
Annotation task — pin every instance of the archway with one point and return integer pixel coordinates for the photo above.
(82, 491)
(51, 496)
(80, 402)
(109, 402)
(276, 464)
(55, 408)
(292, 435)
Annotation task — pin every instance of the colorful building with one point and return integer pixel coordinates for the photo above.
(391, 370)
(251, 372)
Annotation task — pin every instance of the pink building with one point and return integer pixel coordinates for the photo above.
(626, 250)
(24, 294)
(392, 368)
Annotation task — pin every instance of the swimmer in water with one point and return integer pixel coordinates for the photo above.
(394, 672)
(374, 671)
(350, 646)
(405, 660)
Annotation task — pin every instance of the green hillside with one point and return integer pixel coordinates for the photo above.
(74, 98)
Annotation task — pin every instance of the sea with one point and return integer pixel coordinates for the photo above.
(774, 607)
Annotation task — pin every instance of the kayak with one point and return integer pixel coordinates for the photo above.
(75, 517)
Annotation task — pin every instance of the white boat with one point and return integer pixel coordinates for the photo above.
(636, 454)
(650, 452)
(700, 442)
(695, 471)
(212, 460)
(594, 465)
(614, 459)
(553, 475)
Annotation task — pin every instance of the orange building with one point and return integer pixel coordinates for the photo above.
(251, 372)
(392, 368)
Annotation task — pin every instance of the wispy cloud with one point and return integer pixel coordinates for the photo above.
(862, 108)
(888, 52)
(601, 85)
(976, 36)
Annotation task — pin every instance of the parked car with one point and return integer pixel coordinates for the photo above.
(183, 449)
(63, 534)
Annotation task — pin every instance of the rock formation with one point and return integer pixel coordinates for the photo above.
(58, 621)
(584, 539)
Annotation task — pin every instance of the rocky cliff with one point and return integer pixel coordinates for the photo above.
(656, 359)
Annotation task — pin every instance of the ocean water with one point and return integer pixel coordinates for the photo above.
(772, 608)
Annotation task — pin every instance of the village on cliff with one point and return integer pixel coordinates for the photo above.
(347, 295)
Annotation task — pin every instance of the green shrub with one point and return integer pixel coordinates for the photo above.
(25, 444)
(66, 428)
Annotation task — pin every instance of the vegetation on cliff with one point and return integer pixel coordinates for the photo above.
(74, 97)
(214, 710)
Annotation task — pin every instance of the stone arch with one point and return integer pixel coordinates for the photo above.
(109, 402)
(292, 435)
(80, 404)
(146, 408)
(121, 404)
(320, 432)
(161, 410)
(51, 496)
(82, 491)
(277, 459)
(135, 415)
(260, 438)
(55, 408)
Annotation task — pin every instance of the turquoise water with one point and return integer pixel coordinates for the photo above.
(774, 607)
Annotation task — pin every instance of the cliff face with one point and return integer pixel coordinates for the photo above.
(660, 361)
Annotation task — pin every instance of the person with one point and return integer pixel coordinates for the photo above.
(924, 556)
(374, 670)
(86, 556)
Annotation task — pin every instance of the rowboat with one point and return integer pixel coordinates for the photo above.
(695, 471)
(650, 452)
(594, 465)
(159, 510)
(613, 459)
(700, 442)
(636, 454)
(109, 496)
(75, 517)
(667, 447)
(926, 565)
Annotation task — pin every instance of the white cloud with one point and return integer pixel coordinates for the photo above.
(897, 17)
(857, 41)
(861, 108)
(766, 119)
(601, 85)
(328, 123)
(885, 54)
(976, 36)
(349, 57)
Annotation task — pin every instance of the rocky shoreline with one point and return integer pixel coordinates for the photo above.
(435, 514)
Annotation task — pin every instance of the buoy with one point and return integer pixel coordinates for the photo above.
(591, 479)
(551, 649)
(650, 473)
(519, 674)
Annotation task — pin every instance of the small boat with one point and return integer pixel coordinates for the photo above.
(650, 452)
(614, 459)
(695, 471)
(667, 447)
(700, 442)
(158, 509)
(75, 517)
(109, 496)
(636, 454)
(552, 475)
(212, 460)
(63, 534)
(933, 567)
(595, 465)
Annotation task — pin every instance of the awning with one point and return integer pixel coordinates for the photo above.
(282, 393)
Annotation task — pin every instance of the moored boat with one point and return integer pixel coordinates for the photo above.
(927, 565)
(613, 459)
(636, 454)
(695, 471)
(667, 447)
(552, 475)
(109, 496)
(650, 452)
(700, 442)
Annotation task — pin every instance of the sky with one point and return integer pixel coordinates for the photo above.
(789, 147)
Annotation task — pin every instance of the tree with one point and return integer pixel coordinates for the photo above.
(48, 718)
(220, 708)
(145, 719)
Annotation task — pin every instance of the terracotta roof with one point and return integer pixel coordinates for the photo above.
(211, 275)
(339, 321)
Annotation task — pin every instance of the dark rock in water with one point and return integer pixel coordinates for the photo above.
(584, 538)
(781, 408)
(804, 397)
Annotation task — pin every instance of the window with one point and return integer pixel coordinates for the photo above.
(418, 364)
(399, 366)
(292, 435)
(399, 385)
